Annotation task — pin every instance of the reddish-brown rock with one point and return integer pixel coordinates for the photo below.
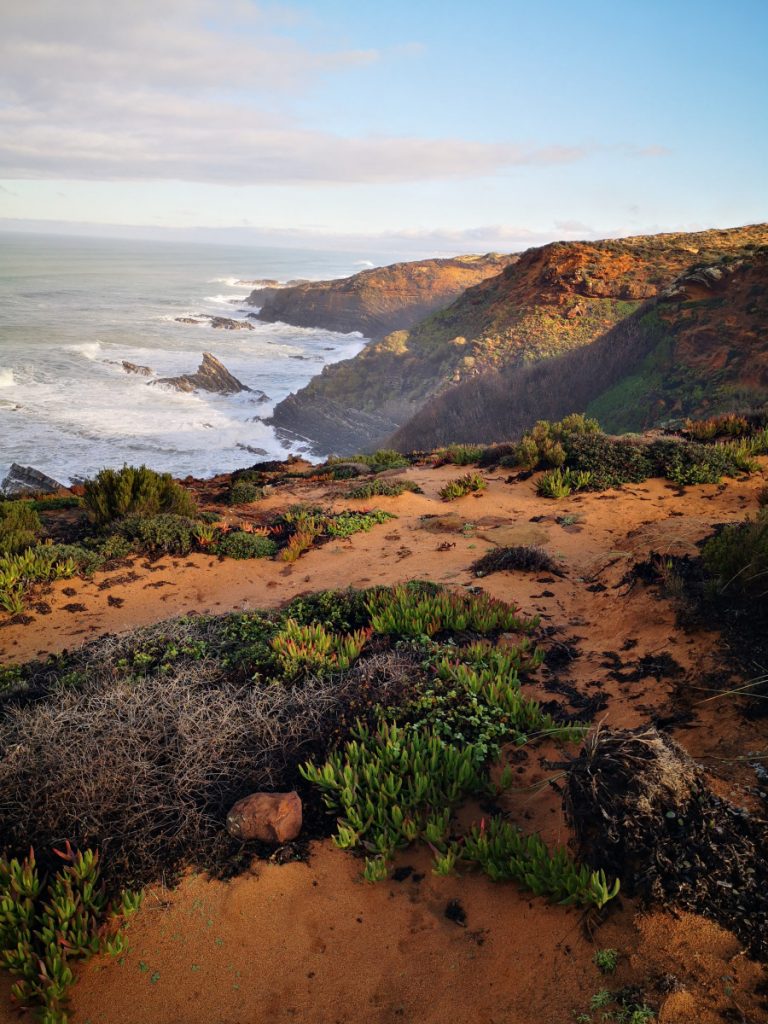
(270, 817)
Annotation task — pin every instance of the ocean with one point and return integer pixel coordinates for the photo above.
(71, 309)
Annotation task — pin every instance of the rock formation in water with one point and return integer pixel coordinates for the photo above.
(211, 375)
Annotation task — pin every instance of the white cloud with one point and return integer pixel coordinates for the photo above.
(197, 90)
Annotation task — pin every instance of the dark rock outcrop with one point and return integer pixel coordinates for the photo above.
(375, 302)
(330, 427)
(25, 480)
(222, 323)
(142, 371)
(211, 375)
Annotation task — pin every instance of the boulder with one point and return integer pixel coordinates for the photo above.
(225, 323)
(23, 480)
(211, 375)
(269, 817)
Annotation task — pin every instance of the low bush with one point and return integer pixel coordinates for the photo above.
(378, 462)
(737, 556)
(693, 463)
(470, 483)
(519, 558)
(56, 503)
(166, 533)
(20, 526)
(547, 444)
(49, 923)
(116, 493)
(345, 524)
(464, 454)
(728, 425)
(386, 488)
(243, 492)
(238, 544)
(611, 461)
(559, 483)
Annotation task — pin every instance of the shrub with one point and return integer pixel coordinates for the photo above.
(546, 444)
(728, 425)
(611, 461)
(387, 488)
(606, 960)
(115, 493)
(737, 557)
(555, 483)
(692, 463)
(20, 526)
(49, 923)
(464, 454)
(520, 558)
(385, 458)
(56, 503)
(243, 492)
(166, 533)
(468, 484)
(298, 543)
(238, 544)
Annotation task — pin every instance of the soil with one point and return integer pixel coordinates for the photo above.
(310, 941)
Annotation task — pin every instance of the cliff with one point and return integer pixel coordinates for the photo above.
(375, 302)
(552, 300)
(697, 349)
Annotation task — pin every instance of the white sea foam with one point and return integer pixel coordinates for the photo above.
(225, 300)
(6, 378)
(89, 349)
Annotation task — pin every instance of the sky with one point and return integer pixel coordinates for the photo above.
(424, 125)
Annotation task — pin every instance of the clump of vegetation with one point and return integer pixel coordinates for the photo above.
(55, 503)
(611, 461)
(387, 488)
(20, 526)
(33, 565)
(378, 462)
(462, 454)
(547, 443)
(301, 649)
(241, 545)
(728, 425)
(243, 492)
(559, 483)
(116, 493)
(345, 524)
(606, 960)
(520, 558)
(166, 533)
(621, 1007)
(737, 557)
(403, 611)
(49, 923)
(470, 483)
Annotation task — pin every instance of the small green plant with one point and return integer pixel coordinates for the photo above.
(243, 492)
(464, 454)
(345, 524)
(302, 649)
(737, 556)
(116, 493)
(606, 960)
(47, 925)
(555, 483)
(239, 544)
(470, 483)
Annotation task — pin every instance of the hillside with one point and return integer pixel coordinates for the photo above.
(380, 300)
(554, 299)
(699, 348)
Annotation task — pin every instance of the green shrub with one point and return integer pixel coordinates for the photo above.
(470, 483)
(238, 544)
(385, 458)
(47, 924)
(737, 557)
(54, 504)
(611, 461)
(555, 483)
(692, 463)
(546, 444)
(606, 960)
(243, 492)
(166, 533)
(464, 454)
(116, 493)
(20, 526)
(387, 488)
(728, 425)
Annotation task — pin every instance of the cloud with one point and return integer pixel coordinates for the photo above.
(199, 90)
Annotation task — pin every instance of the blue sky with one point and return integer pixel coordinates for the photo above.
(422, 125)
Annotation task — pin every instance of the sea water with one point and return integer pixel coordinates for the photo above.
(72, 309)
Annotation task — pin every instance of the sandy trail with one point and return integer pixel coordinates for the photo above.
(312, 943)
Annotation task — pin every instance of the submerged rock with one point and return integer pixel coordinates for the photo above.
(222, 323)
(211, 375)
(269, 817)
(23, 480)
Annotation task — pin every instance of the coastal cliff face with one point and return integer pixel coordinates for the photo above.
(375, 302)
(553, 300)
(698, 349)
